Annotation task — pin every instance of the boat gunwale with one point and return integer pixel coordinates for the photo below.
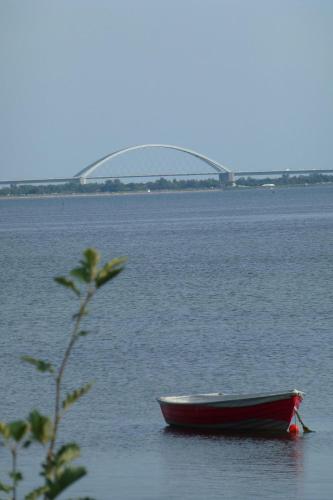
(216, 398)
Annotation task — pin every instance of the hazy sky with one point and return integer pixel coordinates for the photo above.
(246, 82)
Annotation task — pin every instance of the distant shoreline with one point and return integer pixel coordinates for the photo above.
(104, 195)
(154, 192)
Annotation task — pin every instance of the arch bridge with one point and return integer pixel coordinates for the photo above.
(226, 176)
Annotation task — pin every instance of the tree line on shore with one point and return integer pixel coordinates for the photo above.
(162, 184)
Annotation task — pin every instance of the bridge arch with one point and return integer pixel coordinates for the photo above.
(83, 174)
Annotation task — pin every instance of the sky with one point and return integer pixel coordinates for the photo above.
(248, 83)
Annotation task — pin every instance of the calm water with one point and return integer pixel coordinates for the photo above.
(223, 291)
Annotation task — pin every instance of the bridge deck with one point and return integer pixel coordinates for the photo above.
(236, 174)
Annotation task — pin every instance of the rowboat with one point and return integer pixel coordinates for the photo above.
(270, 412)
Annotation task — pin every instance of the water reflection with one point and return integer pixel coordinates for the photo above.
(214, 433)
(256, 464)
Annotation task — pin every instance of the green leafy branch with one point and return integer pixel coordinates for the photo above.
(57, 469)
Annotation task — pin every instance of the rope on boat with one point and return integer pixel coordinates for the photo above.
(304, 427)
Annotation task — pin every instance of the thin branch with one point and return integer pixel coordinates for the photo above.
(73, 339)
(13, 450)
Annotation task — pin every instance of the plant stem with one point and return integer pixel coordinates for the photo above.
(14, 464)
(73, 339)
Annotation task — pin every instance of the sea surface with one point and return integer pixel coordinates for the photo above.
(227, 291)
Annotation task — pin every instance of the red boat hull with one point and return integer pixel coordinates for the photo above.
(268, 416)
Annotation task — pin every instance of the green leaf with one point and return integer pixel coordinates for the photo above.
(4, 430)
(39, 364)
(103, 278)
(38, 492)
(68, 284)
(82, 333)
(87, 270)
(41, 427)
(66, 454)
(72, 397)
(16, 476)
(81, 273)
(109, 271)
(5, 487)
(18, 429)
(69, 476)
(92, 257)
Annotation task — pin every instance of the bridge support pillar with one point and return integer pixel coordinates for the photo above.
(227, 179)
(82, 181)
